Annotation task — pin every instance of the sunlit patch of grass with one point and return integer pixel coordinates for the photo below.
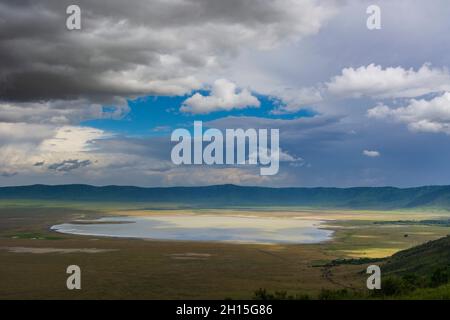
(364, 236)
(371, 252)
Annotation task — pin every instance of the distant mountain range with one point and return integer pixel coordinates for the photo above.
(232, 195)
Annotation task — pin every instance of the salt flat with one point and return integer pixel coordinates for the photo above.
(203, 227)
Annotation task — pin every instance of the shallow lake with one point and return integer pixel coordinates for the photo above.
(236, 229)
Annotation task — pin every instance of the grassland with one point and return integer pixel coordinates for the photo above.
(142, 269)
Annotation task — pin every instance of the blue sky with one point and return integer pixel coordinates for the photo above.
(156, 115)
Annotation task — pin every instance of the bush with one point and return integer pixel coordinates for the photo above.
(326, 294)
(439, 277)
(413, 281)
(263, 294)
(393, 286)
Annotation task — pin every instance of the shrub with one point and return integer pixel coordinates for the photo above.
(393, 286)
(439, 277)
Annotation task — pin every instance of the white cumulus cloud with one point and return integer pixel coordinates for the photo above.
(378, 82)
(224, 97)
(420, 115)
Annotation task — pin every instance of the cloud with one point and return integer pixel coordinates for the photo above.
(286, 157)
(24, 133)
(224, 97)
(371, 153)
(420, 115)
(314, 129)
(374, 81)
(283, 155)
(73, 139)
(29, 146)
(138, 48)
(293, 100)
(69, 165)
(211, 175)
(105, 158)
(59, 112)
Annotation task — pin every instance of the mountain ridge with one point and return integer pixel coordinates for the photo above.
(234, 195)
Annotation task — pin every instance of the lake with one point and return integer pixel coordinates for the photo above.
(235, 229)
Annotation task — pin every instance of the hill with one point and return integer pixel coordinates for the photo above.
(420, 260)
(386, 198)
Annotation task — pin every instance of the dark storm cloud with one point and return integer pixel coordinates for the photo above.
(132, 48)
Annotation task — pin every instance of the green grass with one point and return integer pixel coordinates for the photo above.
(439, 293)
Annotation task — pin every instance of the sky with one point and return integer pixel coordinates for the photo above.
(354, 107)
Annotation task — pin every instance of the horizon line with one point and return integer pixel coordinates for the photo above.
(222, 185)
